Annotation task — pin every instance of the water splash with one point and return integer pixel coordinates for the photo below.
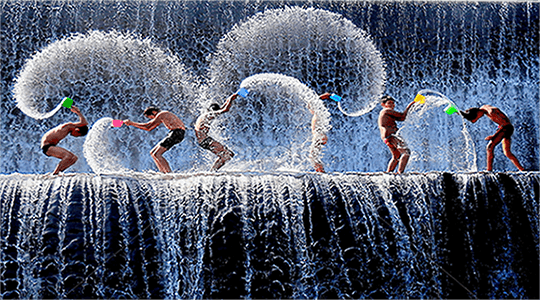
(322, 49)
(293, 236)
(448, 146)
(103, 149)
(275, 123)
(105, 73)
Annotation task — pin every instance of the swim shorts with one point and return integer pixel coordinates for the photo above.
(395, 141)
(504, 132)
(206, 143)
(45, 148)
(174, 137)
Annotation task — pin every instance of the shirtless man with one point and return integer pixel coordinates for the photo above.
(51, 139)
(503, 134)
(318, 139)
(175, 136)
(388, 128)
(202, 126)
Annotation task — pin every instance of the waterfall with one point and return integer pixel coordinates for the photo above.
(116, 58)
(266, 225)
(270, 235)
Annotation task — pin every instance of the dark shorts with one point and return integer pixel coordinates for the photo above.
(174, 137)
(206, 143)
(504, 132)
(45, 148)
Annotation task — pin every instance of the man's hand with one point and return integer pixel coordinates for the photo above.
(127, 122)
(489, 138)
(324, 96)
(75, 109)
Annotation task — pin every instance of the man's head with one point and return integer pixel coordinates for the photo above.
(472, 114)
(80, 131)
(388, 102)
(151, 112)
(214, 107)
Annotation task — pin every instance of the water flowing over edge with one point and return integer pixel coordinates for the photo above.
(278, 235)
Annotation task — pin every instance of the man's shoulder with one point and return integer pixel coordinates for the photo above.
(66, 125)
(386, 111)
(167, 113)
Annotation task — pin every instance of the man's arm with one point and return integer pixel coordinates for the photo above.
(145, 126)
(401, 116)
(227, 105)
(325, 96)
(406, 111)
(82, 120)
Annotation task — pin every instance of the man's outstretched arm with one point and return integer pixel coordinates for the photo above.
(228, 103)
(144, 126)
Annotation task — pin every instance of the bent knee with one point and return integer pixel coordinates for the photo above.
(72, 158)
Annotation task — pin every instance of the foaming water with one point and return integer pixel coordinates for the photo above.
(270, 235)
(104, 73)
(104, 149)
(322, 49)
(280, 233)
(271, 128)
(113, 74)
(447, 146)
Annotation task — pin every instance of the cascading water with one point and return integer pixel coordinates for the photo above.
(273, 235)
(452, 150)
(265, 226)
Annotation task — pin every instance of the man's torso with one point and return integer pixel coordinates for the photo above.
(202, 126)
(387, 123)
(496, 115)
(55, 135)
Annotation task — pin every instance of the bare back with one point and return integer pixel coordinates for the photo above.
(496, 115)
(58, 133)
(170, 120)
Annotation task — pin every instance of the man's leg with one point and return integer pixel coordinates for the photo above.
(395, 159)
(222, 152)
(161, 162)
(490, 148)
(490, 156)
(506, 145)
(314, 153)
(405, 153)
(67, 158)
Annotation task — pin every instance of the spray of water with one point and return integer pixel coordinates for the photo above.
(103, 148)
(322, 49)
(104, 73)
(275, 123)
(445, 147)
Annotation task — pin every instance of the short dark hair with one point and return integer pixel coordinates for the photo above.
(386, 98)
(471, 113)
(83, 130)
(214, 107)
(150, 110)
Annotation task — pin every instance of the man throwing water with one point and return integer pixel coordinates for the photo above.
(318, 138)
(202, 127)
(388, 128)
(175, 136)
(503, 134)
(51, 139)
